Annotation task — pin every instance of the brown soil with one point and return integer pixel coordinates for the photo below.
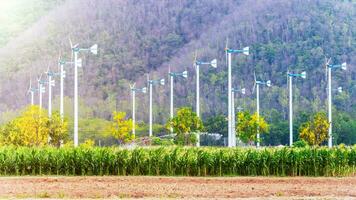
(178, 187)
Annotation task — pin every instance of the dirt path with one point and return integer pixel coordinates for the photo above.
(177, 187)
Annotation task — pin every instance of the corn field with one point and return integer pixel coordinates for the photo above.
(179, 161)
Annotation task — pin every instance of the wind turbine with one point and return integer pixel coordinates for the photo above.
(257, 86)
(41, 89)
(133, 91)
(32, 91)
(51, 83)
(151, 83)
(330, 67)
(228, 51)
(62, 73)
(183, 74)
(197, 64)
(290, 76)
(78, 63)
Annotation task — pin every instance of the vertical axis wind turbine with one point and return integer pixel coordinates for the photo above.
(133, 91)
(290, 77)
(183, 74)
(150, 84)
(331, 67)
(228, 51)
(78, 63)
(257, 86)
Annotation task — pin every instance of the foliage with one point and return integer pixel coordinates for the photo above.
(216, 124)
(121, 128)
(156, 141)
(300, 143)
(185, 124)
(31, 128)
(96, 129)
(178, 161)
(88, 143)
(57, 129)
(315, 132)
(248, 125)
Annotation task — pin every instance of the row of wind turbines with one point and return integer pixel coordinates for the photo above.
(50, 81)
(77, 62)
(231, 94)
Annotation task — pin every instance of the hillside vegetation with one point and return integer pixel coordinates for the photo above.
(147, 36)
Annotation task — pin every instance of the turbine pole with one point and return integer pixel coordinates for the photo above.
(61, 106)
(32, 98)
(150, 131)
(229, 102)
(233, 118)
(171, 104)
(49, 95)
(290, 111)
(258, 113)
(330, 142)
(133, 111)
(40, 93)
(75, 99)
(197, 90)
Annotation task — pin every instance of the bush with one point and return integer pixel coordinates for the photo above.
(300, 143)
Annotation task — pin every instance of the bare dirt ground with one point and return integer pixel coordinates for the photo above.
(178, 187)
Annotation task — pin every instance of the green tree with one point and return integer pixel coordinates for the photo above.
(186, 124)
(316, 130)
(121, 128)
(58, 129)
(247, 126)
(216, 124)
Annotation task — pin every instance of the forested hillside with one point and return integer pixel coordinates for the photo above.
(147, 36)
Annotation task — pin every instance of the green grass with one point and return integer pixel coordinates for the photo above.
(179, 161)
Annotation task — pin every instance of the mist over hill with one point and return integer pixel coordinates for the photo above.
(147, 36)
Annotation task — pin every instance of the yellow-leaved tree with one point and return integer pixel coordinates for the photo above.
(315, 131)
(121, 128)
(247, 126)
(57, 129)
(29, 129)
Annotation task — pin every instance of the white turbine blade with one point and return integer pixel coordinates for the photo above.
(339, 89)
(304, 74)
(344, 66)
(70, 42)
(268, 83)
(226, 48)
(254, 82)
(214, 63)
(246, 51)
(144, 89)
(94, 49)
(185, 74)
